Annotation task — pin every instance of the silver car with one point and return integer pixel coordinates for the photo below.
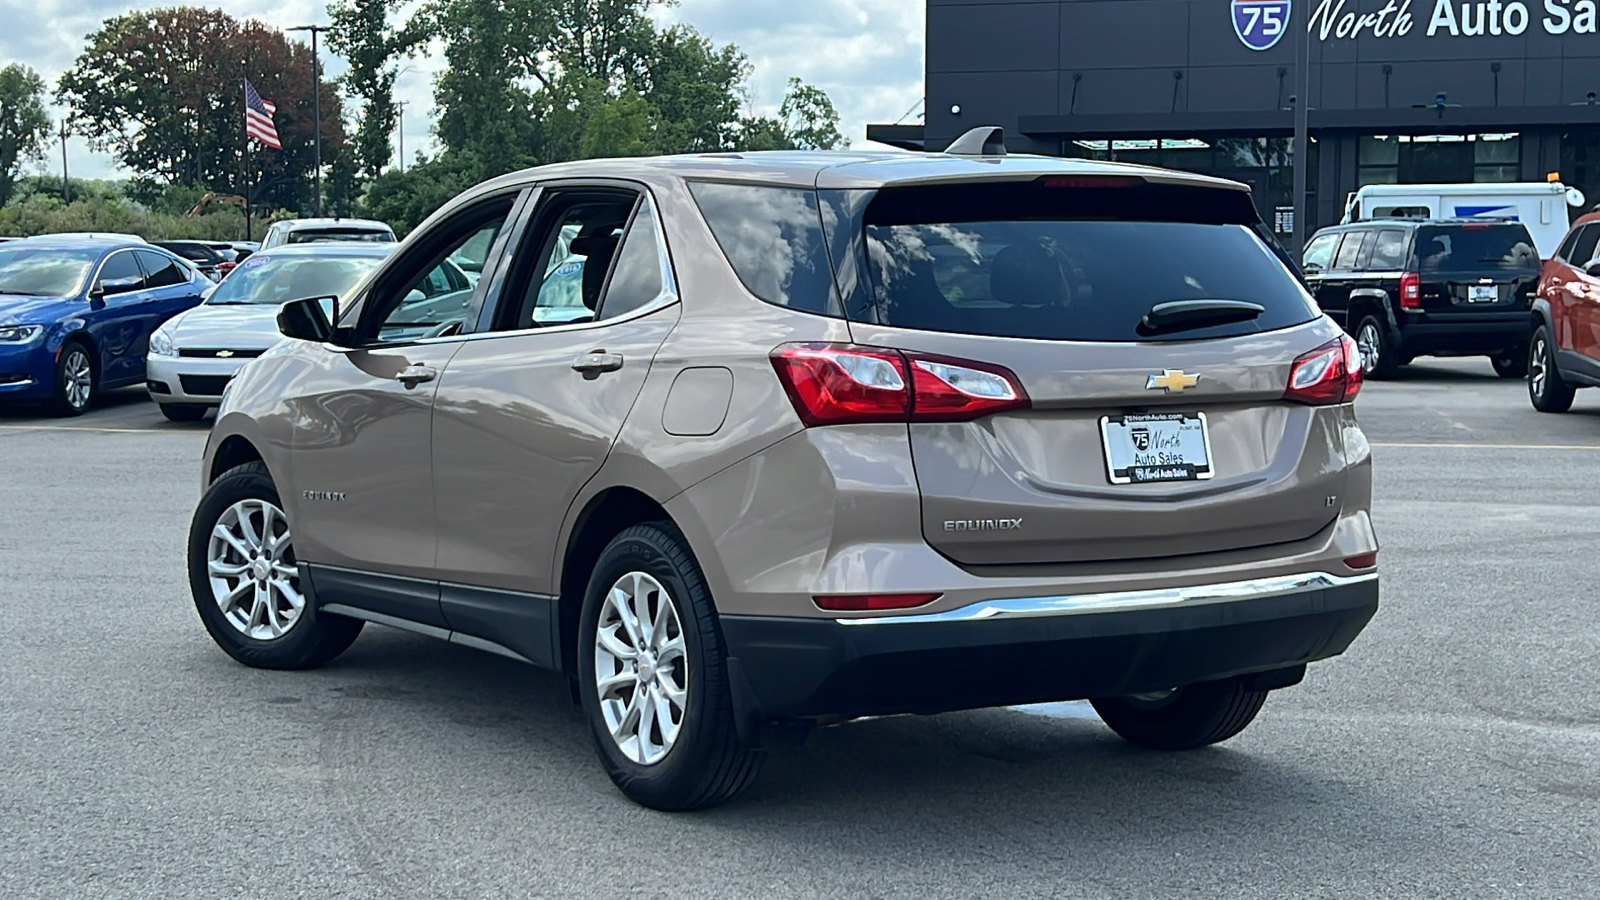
(195, 354)
(831, 435)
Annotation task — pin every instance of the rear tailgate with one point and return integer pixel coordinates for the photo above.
(1470, 268)
(1056, 296)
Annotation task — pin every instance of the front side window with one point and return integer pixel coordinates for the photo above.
(773, 237)
(1319, 253)
(434, 298)
(121, 274)
(1583, 250)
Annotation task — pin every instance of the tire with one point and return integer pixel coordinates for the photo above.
(1512, 363)
(264, 640)
(183, 412)
(1547, 390)
(75, 381)
(703, 763)
(1379, 357)
(1189, 717)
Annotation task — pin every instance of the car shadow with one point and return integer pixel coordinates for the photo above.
(978, 777)
(125, 407)
(1421, 370)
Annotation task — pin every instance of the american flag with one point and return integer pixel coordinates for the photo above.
(258, 118)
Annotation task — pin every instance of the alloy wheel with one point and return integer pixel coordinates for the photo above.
(1538, 371)
(1370, 344)
(641, 668)
(251, 566)
(77, 378)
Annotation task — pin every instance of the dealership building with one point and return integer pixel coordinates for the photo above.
(1401, 91)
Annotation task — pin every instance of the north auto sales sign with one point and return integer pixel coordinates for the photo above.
(1260, 24)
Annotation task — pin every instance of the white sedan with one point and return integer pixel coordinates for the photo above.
(195, 354)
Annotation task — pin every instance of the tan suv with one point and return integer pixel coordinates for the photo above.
(744, 444)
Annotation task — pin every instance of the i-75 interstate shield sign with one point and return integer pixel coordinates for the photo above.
(1260, 23)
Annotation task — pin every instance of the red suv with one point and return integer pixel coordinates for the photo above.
(1564, 353)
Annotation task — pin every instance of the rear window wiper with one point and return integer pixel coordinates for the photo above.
(1188, 315)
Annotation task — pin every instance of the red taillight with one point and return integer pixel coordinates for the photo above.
(832, 384)
(1411, 291)
(860, 602)
(1362, 560)
(1327, 375)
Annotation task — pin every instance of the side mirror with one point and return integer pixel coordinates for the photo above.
(97, 293)
(310, 319)
(1593, 268)
(1311, 267)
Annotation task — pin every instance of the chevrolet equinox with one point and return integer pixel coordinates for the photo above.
(745, 444)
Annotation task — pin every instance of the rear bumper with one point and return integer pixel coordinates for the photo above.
(1482, 333)
(1033, 650)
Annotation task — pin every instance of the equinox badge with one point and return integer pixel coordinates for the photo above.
(1172, 381)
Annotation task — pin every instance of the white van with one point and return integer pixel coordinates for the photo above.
(1541, 206)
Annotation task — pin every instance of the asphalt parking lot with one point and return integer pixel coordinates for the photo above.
(1453, 752)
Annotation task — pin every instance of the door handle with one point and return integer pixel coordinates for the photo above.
(597, 361)
(411, 376)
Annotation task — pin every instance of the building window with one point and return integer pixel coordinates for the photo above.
(1438, 158)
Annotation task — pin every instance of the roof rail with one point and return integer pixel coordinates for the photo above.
(985, 140)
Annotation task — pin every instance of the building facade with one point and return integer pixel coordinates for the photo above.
(1400, 91)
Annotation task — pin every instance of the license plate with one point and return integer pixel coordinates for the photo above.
(1483, 293)
(1153, 447)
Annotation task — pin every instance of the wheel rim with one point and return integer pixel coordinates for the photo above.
(250, 563)
(641, 668)
(1369, 343)
(77, 378)
(1537, 372)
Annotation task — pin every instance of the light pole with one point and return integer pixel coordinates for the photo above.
(316, 105)
(1300, 151)
(66, 183)
(400, 132)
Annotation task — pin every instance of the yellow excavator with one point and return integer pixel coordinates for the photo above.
(211, 200)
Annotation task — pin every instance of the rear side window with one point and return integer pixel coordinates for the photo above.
(1069, 263)
(1469, 247)
(772, 236)
(1349, 251)
(161, 271)
(1389, 253)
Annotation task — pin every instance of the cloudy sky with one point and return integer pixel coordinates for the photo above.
(867, 54)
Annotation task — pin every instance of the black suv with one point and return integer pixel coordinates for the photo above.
(1405, 288)
(206, 259)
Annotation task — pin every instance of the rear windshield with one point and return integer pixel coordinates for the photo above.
(315, 235)
(1441, 247)
(1070, 262)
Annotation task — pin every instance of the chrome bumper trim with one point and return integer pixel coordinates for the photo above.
(1075, 604)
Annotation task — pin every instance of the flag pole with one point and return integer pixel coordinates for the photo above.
(245, 176)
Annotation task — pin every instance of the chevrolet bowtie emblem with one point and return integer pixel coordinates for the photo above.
(224, 354)
(1171, 380)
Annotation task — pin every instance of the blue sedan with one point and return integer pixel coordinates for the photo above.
(76, 315)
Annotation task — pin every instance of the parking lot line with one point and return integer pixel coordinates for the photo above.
(95, 429)
(1408, 445)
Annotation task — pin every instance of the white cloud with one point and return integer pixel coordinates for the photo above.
(867, 54)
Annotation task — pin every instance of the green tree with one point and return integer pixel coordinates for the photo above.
(24, 126)
(809, 118)
(162, 90)
(372, 47)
